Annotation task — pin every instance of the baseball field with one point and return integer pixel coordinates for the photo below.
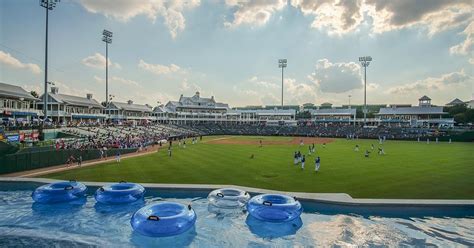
(409, 169)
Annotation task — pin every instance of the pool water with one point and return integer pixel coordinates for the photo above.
(88, 224)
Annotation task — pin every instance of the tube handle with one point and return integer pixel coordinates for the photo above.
(153, 217)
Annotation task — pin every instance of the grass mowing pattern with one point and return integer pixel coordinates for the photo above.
(409, 170)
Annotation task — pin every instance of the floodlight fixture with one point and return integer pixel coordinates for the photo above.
(107, 38)
(282, 63)
(48, 5)
(365, 61)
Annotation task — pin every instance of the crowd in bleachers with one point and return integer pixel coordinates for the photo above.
(120, 136)
(141, 136)
(316, 130)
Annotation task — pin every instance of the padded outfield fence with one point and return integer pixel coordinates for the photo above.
(40, 158)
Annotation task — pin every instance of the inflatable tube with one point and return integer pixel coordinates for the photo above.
(163, 219)
(274, 207)
(228, 198)
(59, 192)
(117, 193)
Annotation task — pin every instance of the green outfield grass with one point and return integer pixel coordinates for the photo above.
(408, 170)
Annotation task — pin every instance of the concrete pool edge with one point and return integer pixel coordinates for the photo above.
(331, 198)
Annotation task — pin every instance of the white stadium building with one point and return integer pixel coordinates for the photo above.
(65, 108)
(129, 111)
(423, 115)
(18, 105)
(197, 109)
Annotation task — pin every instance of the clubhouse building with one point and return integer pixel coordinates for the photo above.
(197, 109)
(423, 115)
(68, 108)
(17, 105)
(129, 111)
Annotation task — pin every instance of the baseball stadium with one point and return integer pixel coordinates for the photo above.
(234, 164)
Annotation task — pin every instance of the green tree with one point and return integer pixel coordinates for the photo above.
(34, 93)
(460, 118)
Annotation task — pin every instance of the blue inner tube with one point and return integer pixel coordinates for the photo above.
(117, 193)
(274, 207)
(228, 198)
(59, 192)
(163, 219)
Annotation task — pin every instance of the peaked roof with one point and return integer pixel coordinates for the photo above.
(132, 106)
(162, 109)
(13, 91)
(75, 100)
(424, 98)
(455, 102)
(196, 101)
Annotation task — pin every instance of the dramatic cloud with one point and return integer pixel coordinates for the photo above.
(434, 84)
(337, 17)
(467, 46)
(98, 61)
(343, 16)
(253, 12)
(170, 10)
(299, 93)
(337, 77)
(8, 59)
(435, 15)
(157, 68)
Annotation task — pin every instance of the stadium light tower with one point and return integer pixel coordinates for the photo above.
(365, 61)
(107, 38)
(282, 64)
(48, 5)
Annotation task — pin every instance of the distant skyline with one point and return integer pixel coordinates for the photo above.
(230, 49)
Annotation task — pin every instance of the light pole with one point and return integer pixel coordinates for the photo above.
(107, 38)
(48, 5)
(46, 98)
(365, 61)
(282, 64)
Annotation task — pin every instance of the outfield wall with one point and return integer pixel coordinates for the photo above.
(40, 159)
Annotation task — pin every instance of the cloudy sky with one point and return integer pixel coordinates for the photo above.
(230, 48)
